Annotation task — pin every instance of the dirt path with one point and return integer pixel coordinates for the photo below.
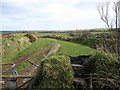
(40, 56)
(19, 61)
(22, 59)
(32, 69)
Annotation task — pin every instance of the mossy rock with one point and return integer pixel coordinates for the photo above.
(55, 71)
(54, 49)
(32, 37)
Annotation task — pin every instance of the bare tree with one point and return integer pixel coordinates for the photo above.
(104, 11)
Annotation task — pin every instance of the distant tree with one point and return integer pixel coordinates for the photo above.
(105, 15)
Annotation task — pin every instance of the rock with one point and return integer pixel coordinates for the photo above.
(32, 37)
(23, 41)
(8, 44)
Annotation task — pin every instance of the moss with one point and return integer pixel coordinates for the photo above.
(55, 71)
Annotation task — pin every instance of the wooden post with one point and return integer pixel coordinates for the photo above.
(91, 86)
(17, 76)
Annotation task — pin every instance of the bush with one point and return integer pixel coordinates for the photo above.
(54, 72)
(106, 69)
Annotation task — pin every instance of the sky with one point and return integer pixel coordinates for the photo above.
(49, 15)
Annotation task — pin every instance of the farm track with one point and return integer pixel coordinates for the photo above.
(20, 60)
(40, 56)
(25, 58)
(31, 69)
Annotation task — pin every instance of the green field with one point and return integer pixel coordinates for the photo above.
(72, 49)
(66, 48)
(13, 52)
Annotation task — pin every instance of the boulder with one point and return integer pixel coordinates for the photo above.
(24, 41)
(32, 37)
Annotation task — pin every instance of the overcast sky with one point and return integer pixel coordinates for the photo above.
(49, 14)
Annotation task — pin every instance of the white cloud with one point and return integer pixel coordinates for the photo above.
(44, 14)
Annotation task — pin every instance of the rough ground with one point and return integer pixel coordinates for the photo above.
(24, 58)
(32, 69)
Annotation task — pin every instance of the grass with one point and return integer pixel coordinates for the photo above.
(9, 52)
(54, 68)
(66, 48)
(37, 46)
(55, 71)
(72, 49)
(12, 52)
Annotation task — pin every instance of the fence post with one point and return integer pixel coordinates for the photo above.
(91, 86)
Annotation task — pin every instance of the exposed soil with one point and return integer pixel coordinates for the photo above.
(40, 55)
(30, 70)
(20, 60)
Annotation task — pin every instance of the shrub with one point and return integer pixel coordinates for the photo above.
(54, 72)
(106, 69)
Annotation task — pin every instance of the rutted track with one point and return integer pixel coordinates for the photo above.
(32, 70)
(40, 56)
(22, 59)
(47, 52)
